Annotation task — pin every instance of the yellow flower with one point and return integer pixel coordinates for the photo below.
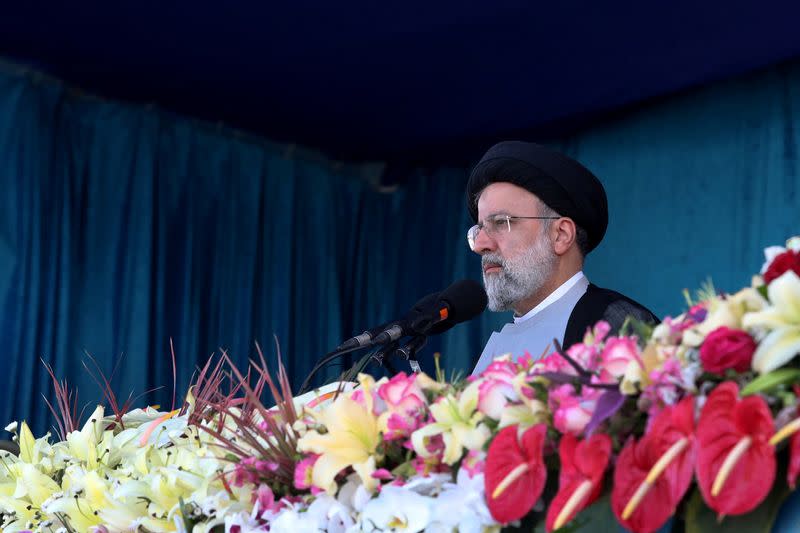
(458, 422)
(727, 312)
(83, 444)
(351, 439)
(529, 413)
(34, 485)
(782, 320)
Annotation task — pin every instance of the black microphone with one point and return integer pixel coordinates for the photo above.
(366, 338)
(461, 301)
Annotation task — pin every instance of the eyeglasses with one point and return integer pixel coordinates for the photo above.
(495, 225)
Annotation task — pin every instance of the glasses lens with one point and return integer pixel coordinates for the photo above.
(472, 234)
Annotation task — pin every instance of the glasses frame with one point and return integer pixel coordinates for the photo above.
(473, 231)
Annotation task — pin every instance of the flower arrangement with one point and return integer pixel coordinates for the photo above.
(696, 418)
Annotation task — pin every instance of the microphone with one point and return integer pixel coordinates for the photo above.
(366, 338)
(461, 301)
(433, 314)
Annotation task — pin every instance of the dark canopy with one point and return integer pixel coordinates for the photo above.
(411, 80)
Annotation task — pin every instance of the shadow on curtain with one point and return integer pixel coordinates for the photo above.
(123, 227)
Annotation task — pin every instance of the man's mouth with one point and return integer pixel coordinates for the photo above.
(492, 268)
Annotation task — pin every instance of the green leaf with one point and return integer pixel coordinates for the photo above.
(771, 380)
(701, 519)
(762, 290)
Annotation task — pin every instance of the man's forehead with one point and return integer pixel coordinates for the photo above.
(503, 196)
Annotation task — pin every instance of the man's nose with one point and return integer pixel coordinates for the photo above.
(484, 243)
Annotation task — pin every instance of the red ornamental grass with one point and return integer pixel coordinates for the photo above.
(735, 461)
(580, 482)
(515, 473)
(652, 475)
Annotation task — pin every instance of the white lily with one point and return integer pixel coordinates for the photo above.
(728, 312)
(458, 421)
(782, 322)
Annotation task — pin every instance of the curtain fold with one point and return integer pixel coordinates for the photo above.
(122, 227)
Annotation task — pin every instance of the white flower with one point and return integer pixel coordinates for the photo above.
(245, 522)
(428, 485)
(353, 494)
(330, 515)
(397, 509)
(781, 320)
(12, 427)
(215, 504)
(290, 520)
(462, 507)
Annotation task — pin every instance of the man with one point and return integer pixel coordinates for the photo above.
(538, 213)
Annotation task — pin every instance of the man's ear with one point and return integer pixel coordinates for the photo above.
(562, 232)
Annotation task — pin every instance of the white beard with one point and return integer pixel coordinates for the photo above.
(519, 277)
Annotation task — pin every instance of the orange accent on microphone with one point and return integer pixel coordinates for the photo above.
(443, 313)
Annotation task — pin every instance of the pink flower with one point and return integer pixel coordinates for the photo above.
(618, 354)
(664, 389)
(433, 464)
(303, 472)
(358, 396)
(497, 389)
(402, 395)
(474, 463)
(250, 470)
(526, 361)
(554, 363)
(500, 369)
(404, 403)
(264, 497)
(493, 396)
(572, 412)
(586, 355)
(398, 426)
(382, 474)
(597, 334)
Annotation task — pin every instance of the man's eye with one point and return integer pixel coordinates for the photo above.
(498, 224)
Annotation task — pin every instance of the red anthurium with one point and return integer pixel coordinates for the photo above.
(515, 472)
(672, 436)
(652, 475)
(791, 429)
(581, 480)
(794, 461)
(735, 460)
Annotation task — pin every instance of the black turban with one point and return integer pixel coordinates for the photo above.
(566, 186)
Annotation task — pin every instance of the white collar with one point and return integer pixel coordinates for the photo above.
(554, 296)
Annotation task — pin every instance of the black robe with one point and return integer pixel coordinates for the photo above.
(602, 304)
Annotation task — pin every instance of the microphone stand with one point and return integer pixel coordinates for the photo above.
(409, 352)
(327, 358)
(380, 356)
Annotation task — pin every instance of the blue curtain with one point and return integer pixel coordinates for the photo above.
(122, 227)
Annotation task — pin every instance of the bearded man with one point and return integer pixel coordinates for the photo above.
(538, 213)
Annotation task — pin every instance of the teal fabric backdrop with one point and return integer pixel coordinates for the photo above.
(122, 227)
